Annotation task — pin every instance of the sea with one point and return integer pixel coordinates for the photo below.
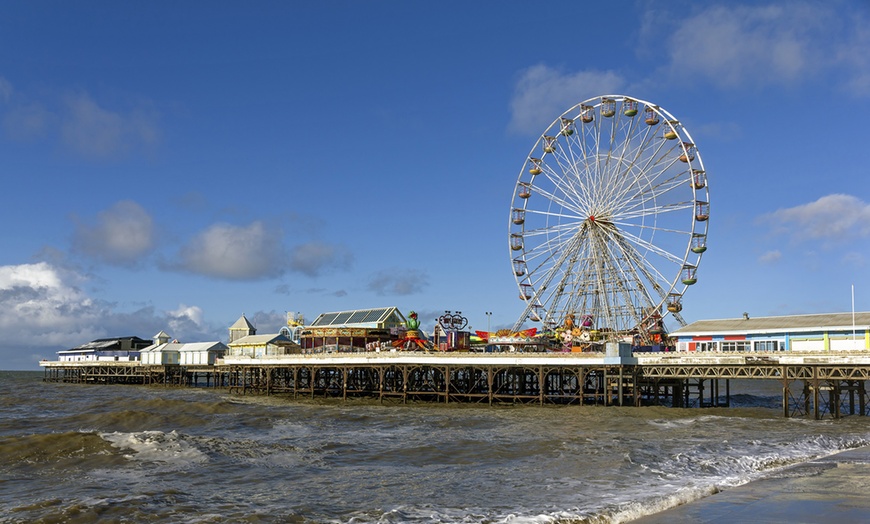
(72, 453)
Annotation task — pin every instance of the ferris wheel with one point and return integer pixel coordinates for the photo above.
(609, 219)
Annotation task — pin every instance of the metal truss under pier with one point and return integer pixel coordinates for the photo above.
(828, 385)
(133, 372)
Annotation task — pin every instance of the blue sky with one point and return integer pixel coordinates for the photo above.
(172, 165)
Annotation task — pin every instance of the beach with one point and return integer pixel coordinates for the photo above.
(830, 489)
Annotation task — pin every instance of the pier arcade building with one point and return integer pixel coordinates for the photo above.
(354, 330)
(799, 333)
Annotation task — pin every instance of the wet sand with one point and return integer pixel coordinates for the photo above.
(834, 489)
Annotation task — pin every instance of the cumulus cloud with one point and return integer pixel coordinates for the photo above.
(45, 309)
(121, 235)
(235, 253)
(543, 92)
(314, 258)
(42, 306)
(832, 220)
(759, 45)
(185, 319)
(398, 282)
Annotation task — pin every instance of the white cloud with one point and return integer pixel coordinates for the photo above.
(314, 258)
(731, 45)
(235, 252)
(832, 219)
(542, 93)
(185, 319)
(122, 235)
(45, 309)
(776, 44)
(42, 307)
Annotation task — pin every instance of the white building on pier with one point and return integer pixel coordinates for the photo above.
(806, 333)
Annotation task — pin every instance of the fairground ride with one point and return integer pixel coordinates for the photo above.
(608, 221)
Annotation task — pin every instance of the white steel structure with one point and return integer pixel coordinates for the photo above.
(609, 219)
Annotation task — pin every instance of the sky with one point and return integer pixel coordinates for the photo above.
(174, 165)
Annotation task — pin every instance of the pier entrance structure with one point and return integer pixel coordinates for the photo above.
(352, 331)
(609, 221)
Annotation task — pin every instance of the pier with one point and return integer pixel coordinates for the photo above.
(820, 385)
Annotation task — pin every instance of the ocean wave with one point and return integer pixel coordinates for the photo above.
(156, 446)
(78, 449)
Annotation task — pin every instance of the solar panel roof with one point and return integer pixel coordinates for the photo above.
(366, 317)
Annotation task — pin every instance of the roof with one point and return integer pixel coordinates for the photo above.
(98, 344)
(262, 340)
(188, 346)
(153, 348)
(781, 324)
(104, 343)
(242, 323)
(373, 318)
(203, 346)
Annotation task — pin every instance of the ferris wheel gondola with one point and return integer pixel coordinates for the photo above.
(609, 217)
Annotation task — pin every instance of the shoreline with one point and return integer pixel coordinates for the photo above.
(828, 489)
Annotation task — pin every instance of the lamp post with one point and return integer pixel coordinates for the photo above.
(488, 319)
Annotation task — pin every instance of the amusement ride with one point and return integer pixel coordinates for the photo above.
(608, 222)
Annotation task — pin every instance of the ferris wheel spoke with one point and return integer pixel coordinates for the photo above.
(651, 211)
(641, 264)
(566, 274)
(571, 182)
(565, 204)
(640, 199)
(653, 248)
(621, 296)
(652, 187)
(634, 294)
(540, 286)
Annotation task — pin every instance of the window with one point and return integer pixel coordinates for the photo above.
(705, 346)
(740, 345)
(769, 345)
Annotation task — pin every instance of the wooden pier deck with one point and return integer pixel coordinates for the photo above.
(831, 384)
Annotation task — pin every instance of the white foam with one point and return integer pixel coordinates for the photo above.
(156, 446)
